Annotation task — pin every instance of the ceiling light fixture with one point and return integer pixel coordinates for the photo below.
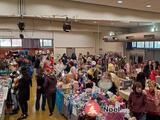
(67, 25)
(21, 25)
(111, 33)
(148, 6)
(119, 1)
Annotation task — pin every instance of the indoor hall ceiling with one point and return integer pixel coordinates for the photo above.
(122, 24)
(105, 23)
(145, 5)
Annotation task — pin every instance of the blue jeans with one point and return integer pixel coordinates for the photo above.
(14, 101)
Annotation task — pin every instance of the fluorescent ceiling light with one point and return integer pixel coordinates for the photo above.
(148, 6)
(119, 1)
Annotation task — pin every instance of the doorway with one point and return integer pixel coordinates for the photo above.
(136, 58)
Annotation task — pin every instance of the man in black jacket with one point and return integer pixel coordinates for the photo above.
(24, 92)
(37, 62)
(40, 90)
(64, 59)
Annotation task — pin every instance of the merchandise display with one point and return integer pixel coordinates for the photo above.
(3, 95)
(81, 90)
(83, 98)
(92, 102)
(100, 106)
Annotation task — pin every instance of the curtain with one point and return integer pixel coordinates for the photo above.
(31, 43)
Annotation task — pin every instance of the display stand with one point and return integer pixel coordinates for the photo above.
(62, 105)
(3, 99)
(2, 110)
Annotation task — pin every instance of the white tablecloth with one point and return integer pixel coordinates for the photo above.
(2, 102)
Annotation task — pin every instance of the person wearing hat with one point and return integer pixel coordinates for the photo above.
(50, 89)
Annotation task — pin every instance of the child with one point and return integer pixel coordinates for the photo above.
(137, 101)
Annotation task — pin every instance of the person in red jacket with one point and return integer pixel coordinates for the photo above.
(50, 89)
(137, 102)
(153, 102)
(46, 64)
(153, 75)
(52, 60)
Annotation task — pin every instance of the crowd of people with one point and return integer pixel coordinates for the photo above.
(95, 69)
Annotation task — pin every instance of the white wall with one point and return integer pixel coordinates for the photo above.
(83, 37)
(9, 7)
(141, 29)
(82, 41)
(104, 47)
(113, 47)
(27, 34)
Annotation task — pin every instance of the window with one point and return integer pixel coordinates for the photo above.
(46, 43)
(140, 44)
(5, 42)
(41, 42)
(148, 44)
(134, 44)
(157, 44)
(16, 42)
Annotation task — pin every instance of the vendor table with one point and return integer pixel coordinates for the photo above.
(5, 92)
(62, 105)
(3, 99)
